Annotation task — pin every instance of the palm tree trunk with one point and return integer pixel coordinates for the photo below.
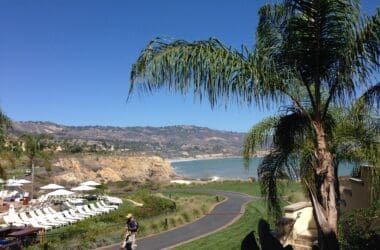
(328, 191)
(32, 191)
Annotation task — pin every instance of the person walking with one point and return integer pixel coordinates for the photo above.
(131, 227)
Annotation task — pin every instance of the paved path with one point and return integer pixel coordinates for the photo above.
(222, 215)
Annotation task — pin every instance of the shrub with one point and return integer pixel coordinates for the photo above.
(196, 213)
(359, 229)
(180, 221)
(154, 227)
(173, 222)
(153, 205)
(164, 224)
(204, 209)
(186, 216)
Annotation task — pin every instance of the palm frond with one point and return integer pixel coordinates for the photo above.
(290, 131)
(372, 96)
(258, 137)
(208, 68)
(289, 134)
(269, 171)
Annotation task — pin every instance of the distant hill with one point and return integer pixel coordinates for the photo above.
(168, 142)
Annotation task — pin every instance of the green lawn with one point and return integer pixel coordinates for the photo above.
(252, 188)
(231, 237)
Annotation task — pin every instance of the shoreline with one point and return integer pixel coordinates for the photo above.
(200, 158)
(211, 157)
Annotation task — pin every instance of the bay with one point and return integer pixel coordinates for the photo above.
(230, 168)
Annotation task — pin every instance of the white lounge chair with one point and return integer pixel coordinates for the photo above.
(83, 211)
(88, 209)
(33, 222)
(53, 218)
(103, 207)
(43, 221)
(16, 219)
(67, 214)
(106, 205)
(114, 200)
(94, 208)
(8, 220)
(76, 213)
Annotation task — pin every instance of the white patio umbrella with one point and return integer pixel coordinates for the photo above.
(60, 192)
(83, 188)
(90, 183)
(13, 184)
(51, 186)
(11, 181)
(23, 181)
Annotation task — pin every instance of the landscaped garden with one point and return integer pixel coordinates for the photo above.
(160, 212)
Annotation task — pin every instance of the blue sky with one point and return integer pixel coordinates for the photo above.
(68, 61)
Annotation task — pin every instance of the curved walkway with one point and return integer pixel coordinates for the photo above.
(221, 216)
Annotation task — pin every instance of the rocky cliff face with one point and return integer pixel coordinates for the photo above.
(112, 168)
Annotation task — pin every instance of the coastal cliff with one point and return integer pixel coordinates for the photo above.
(105, 168)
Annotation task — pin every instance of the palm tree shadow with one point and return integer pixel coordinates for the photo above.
(267, 240)
(249, 242)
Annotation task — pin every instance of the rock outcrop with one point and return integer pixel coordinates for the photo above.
(112, 168)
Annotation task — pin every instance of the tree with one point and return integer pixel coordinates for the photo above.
(352, 134)
(35, 149)
(309, 54)
(9, 148)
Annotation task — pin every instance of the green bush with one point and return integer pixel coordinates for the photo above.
(186, 216)
(196, 213)
(173, 222)
(154, 206)
(180, 221)
(359, 229)
(154, 227)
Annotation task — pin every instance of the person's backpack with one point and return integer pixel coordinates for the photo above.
(133, 225)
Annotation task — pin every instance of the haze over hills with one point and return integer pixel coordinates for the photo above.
(168, 142)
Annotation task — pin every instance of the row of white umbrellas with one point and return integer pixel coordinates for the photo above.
(59, 190)
(14, 182)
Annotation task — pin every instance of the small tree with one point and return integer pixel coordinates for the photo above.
(35, 148)
(9, 148)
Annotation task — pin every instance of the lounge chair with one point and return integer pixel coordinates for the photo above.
(53, 218)
(67, 214)
(83, 211)
(88, 209)
(106, 205)
(16, 219)
(42, 220)
(103, 207)
(94, 208)
(76, 213)
(114, 200)
(33, 222)
(8, 220)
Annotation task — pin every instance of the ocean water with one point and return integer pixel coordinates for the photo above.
(229, 168)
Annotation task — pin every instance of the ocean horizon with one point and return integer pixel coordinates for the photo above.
(229, 168)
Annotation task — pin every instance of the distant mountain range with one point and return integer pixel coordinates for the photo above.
(168, 142)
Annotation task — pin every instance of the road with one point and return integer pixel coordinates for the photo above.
(221, 216)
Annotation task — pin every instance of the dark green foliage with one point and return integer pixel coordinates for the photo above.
(153, 205)
(359, 229)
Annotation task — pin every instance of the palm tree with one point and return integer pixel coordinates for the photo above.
(309, 54)
(35, 149)
(352, 134)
